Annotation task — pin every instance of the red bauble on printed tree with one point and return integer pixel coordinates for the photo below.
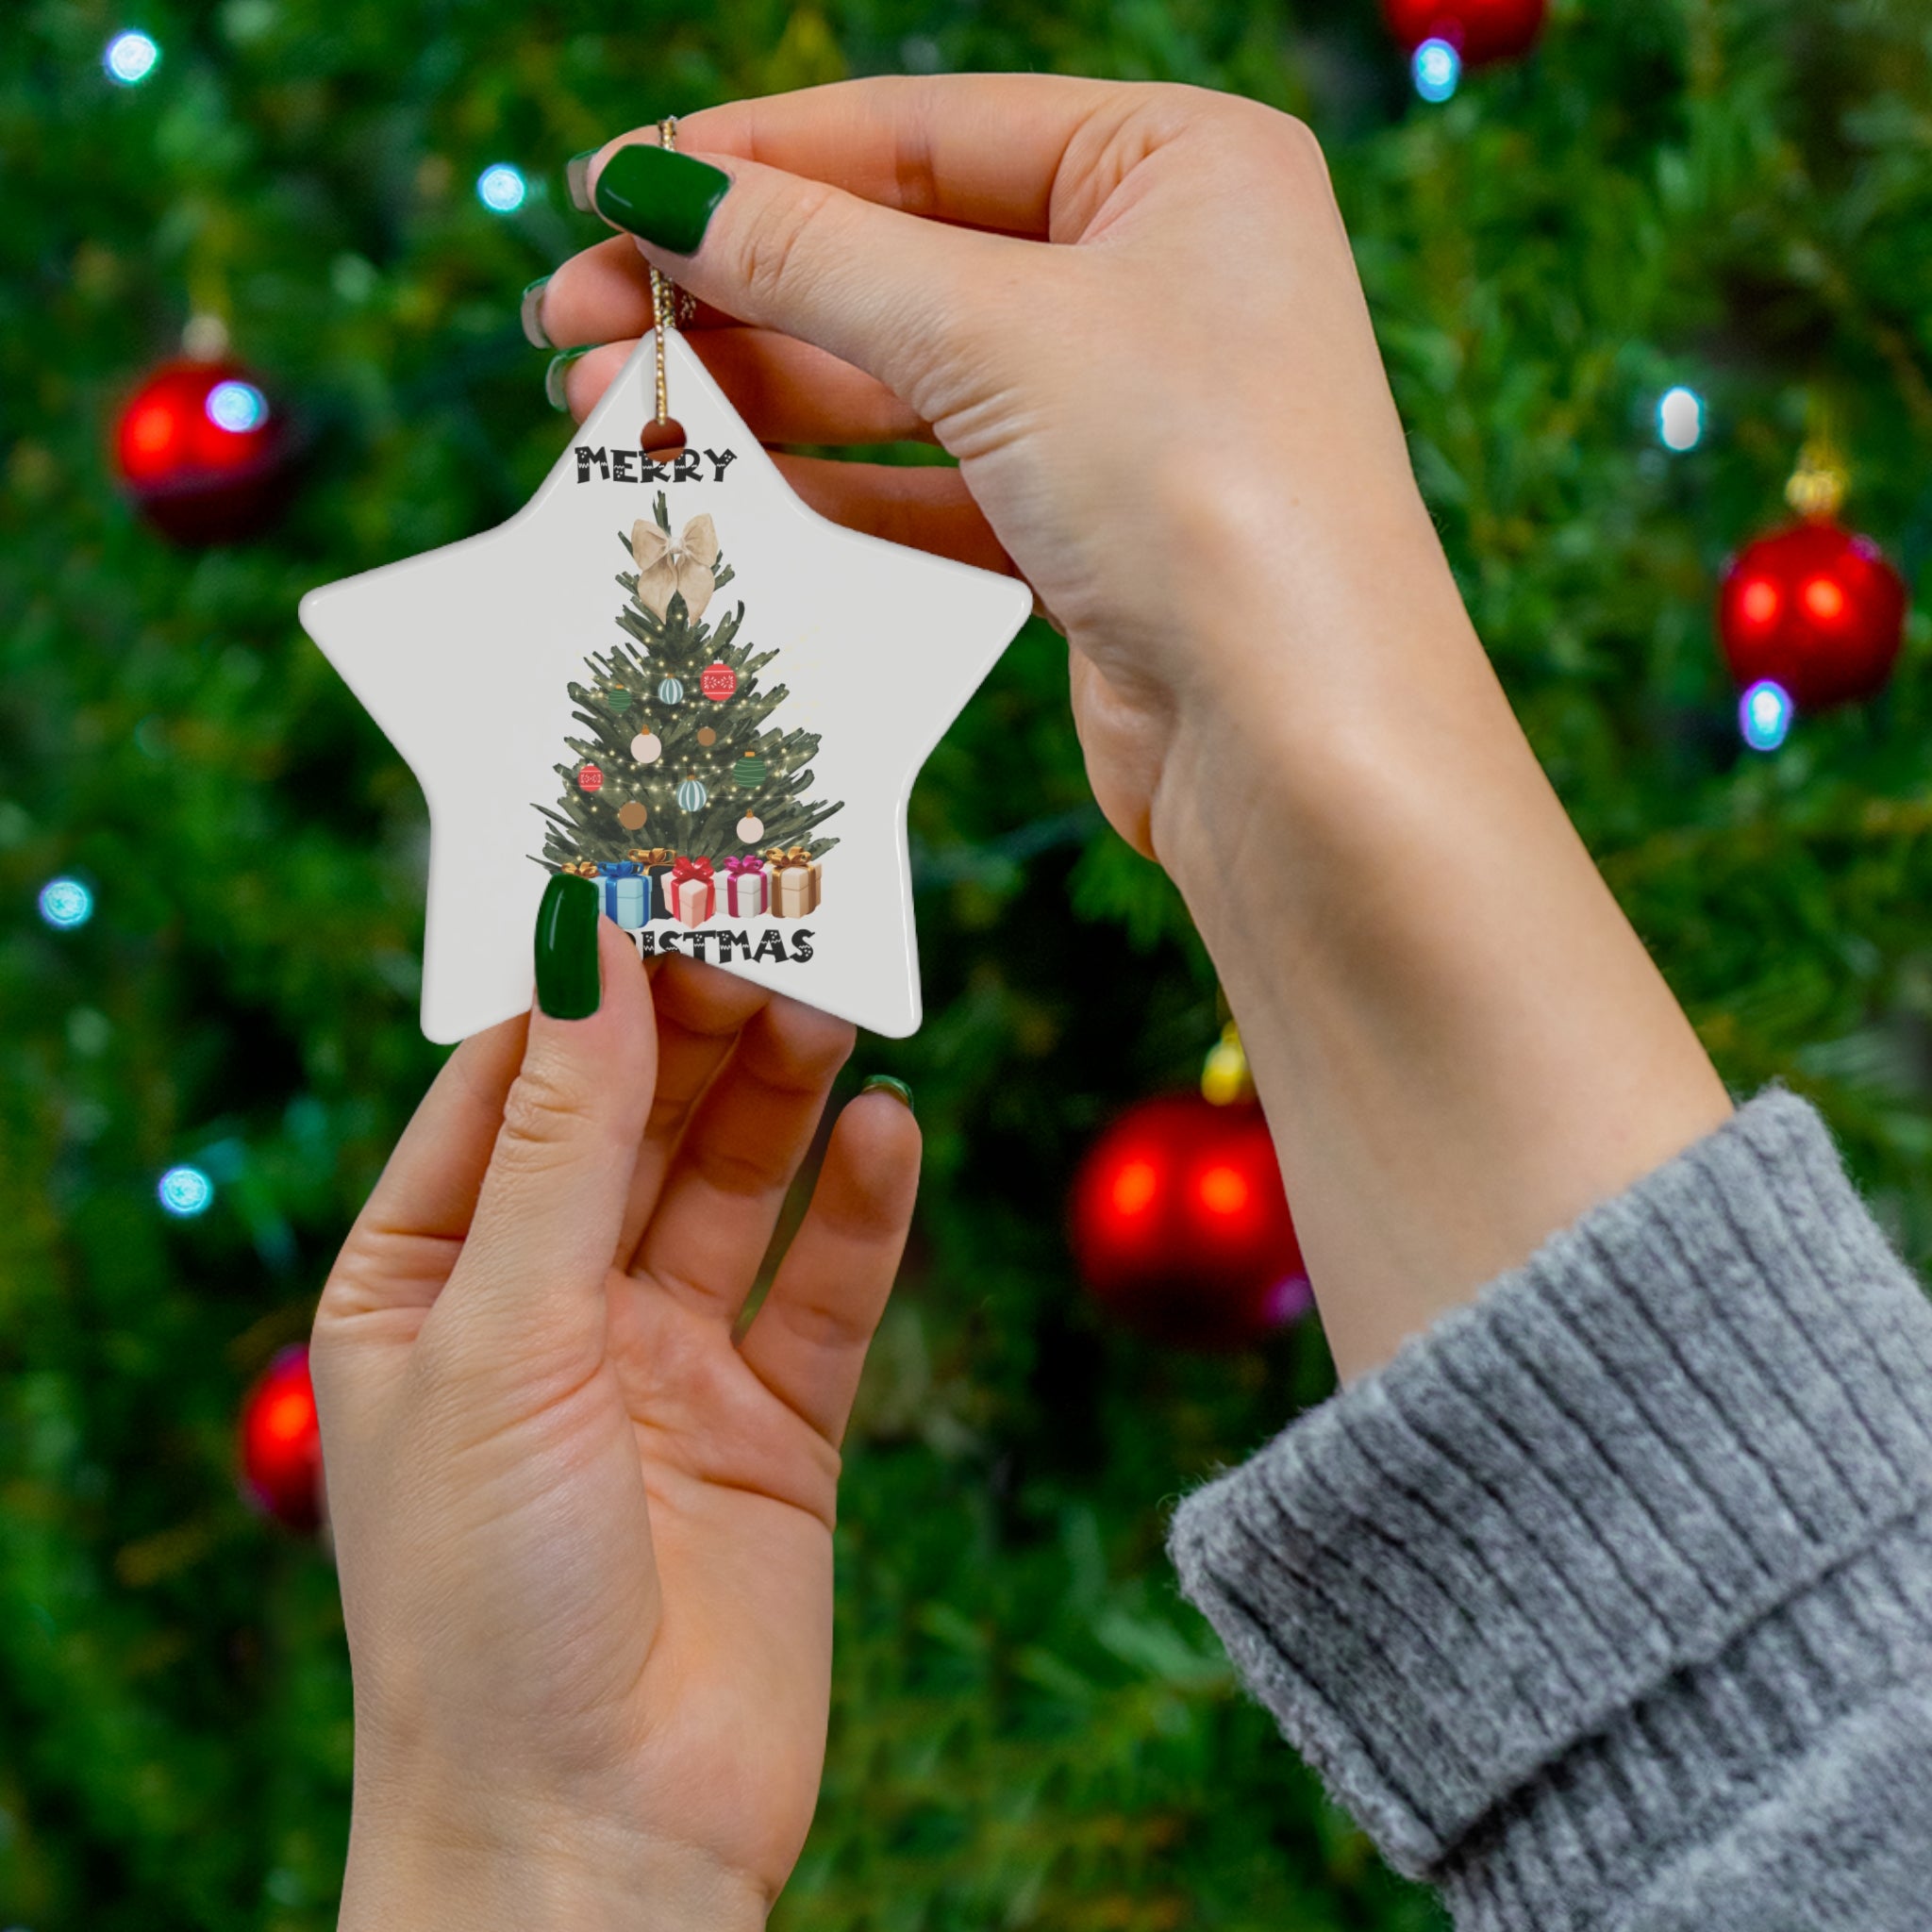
(1815, 610)
(1479, 31)
(281, 1443)
(203, 452)
(1181, 1227)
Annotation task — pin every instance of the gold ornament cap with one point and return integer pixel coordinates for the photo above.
(1817, 485)
(1224, 1076)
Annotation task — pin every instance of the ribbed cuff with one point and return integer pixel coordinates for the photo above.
(1644, 1446)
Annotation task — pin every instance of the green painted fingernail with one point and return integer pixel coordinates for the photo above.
(884, 1083)
(576, 177)
(569, 985)
(530, 312)
(667, 198)
(554, 390)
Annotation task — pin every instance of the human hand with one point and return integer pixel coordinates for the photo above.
(1174, 422)
(1175, 425)
(585, 1537)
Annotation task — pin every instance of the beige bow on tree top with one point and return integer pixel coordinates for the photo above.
(680, 565)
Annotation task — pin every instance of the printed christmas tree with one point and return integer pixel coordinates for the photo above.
(676, 752)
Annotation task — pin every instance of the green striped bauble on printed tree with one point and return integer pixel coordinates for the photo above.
(750, 772)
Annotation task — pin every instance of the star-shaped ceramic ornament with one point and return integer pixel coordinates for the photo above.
(669, 676)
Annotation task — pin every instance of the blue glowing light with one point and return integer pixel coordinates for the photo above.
(1437, 68)
(1680, 419)
(502, 188)
(237, 406)
(65, 903)
(1764, 715)
(186, 1192)
(130, 58)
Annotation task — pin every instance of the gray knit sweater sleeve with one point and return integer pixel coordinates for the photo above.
(1607, 1604)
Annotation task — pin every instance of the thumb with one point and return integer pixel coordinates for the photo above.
(529, 1289)
(895, 295)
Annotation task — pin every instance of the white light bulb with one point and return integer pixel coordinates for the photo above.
(236, 407)
(185, 1191)
(1680, 419)
(130, 58)
(1764, 715)
(1437, 68)
(501, 188)
(65, 903)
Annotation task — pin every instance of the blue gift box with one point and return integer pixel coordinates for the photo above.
(626, 894)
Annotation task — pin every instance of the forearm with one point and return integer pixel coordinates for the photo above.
(1460, 1043)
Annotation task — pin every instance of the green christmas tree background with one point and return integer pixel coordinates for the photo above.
(1030, 1729)
(719, 745)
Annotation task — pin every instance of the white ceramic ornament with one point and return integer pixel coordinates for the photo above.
(486, 664)
(645, 748)
(751, 830)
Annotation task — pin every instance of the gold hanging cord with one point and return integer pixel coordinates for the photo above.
(664, 293)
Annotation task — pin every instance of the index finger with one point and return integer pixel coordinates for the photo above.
(984, 150)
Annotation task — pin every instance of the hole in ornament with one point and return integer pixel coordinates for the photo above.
(663, 439)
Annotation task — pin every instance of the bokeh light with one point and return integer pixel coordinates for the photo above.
(1437, 70)
(65, 903)
(502, 188)
(130, 58)
(1764, 715)
(1223, 1189)
(185, 1191)
(237, 407)
(1823, 599)
(1758, 602)
(1135, 1187)
(1680, 419)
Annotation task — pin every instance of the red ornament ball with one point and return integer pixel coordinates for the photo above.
(1479, 31)
(718, 681)
(590, 777)
(281, 1443)
(1181, 1227)
(203, 452)
(1815, 608)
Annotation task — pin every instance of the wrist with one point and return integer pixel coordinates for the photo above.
(529, 1872)
(1332, 703)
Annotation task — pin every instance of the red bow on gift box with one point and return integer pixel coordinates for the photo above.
(744, 863)
(692, 869)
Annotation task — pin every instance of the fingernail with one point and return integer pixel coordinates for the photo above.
(531, 313)
(884, 1083)
(667, 198)
(576, 177)
(553, 377)
(568, 983)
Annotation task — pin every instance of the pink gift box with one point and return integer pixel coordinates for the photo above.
(747, 891)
